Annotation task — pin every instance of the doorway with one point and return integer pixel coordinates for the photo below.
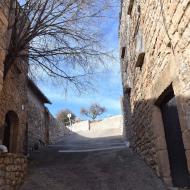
(174, 141)
(11, 131)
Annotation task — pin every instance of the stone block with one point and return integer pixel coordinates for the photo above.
(188, 159)
(184, 21)
(157, 123)
(173, 7)
(2, 174)
(185, 3)
(161, 143)
(163, 163)
(2, 54)
(3, 19)
(186, 139)
(168, 181)
(2, 182)
(178, 14)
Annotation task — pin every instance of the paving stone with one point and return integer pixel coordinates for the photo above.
(117, 169)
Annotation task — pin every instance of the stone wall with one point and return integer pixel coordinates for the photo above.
(112, 126)
(155, 53)
(57, 130)
(105, 128)
(13, 97)
(36, 119)
(43, 128)
(4, 16)
(12, 171)
(81, 126)
(108, 123)
(36, 127)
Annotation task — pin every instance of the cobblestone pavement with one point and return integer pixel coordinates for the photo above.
(117, 169)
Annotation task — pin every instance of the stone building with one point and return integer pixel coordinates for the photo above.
(25, 122)
(4, 16)
(13, 91)
(42, 127)
(155, 64)
(13, 114)
(38, 117)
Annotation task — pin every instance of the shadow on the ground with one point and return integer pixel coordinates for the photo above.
(75, 142)
(104, 169)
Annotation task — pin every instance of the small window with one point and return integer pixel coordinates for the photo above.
(140, 60)
(131, 2)
(123, 52)
(140, 50)
(128, 91)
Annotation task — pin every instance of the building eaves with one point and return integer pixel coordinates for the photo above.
(38, 92)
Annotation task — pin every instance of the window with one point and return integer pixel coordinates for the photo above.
(140, 50)
(123, 52)
(128, 91)
(131, 2)
(140, 60)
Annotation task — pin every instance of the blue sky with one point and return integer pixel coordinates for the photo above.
(107, 84)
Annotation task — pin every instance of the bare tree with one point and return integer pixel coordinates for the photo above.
(61, 38)
(62, 116)
(93, 111)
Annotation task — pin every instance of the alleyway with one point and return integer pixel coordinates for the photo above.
(112, 169)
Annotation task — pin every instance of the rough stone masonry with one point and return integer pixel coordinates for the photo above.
(4, 14)
(155, 64)
(13, 100)
(13, 89)
(12, 171)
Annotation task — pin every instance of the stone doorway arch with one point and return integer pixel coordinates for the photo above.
(11, 126)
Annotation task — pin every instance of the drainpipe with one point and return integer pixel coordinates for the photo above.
(3, 149)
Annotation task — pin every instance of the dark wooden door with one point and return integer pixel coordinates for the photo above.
(7, 133)
(176, 152)
(26, 140)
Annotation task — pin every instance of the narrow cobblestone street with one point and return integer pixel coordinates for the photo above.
(94, 95)
(111, 169)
